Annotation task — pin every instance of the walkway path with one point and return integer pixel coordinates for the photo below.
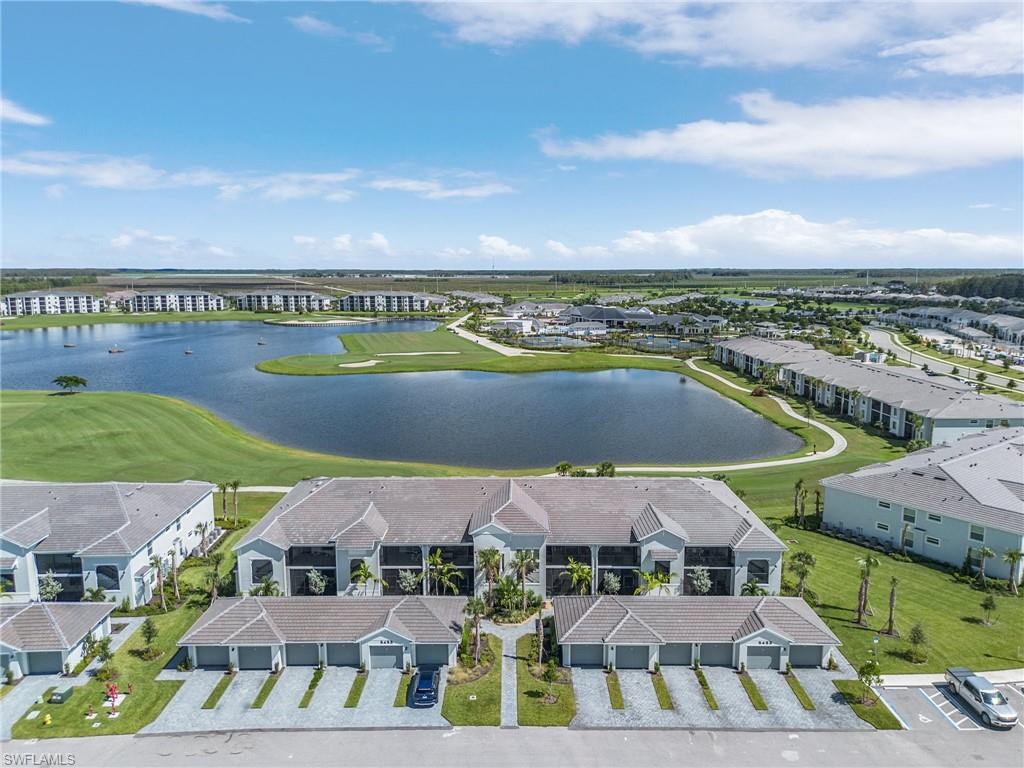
(509, 689)
(919, 681)
(494, 346)
(838, 441)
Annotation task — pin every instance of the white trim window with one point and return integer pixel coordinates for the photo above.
(977, 534)
(884, 505)
(882, 526)
(934, 518)
(909, 516)
(932, 541)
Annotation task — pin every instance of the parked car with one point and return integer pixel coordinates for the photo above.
(981, 696)
(425, 686)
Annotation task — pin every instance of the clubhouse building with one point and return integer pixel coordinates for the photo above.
(896, 398)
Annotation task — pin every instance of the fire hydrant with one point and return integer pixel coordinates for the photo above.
(47, 719)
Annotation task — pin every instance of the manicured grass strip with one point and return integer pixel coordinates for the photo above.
(875, 713)
(402, 694)
(799, 692)
(531, 693)
(268, 686)
(709, 696)
(662, 692)
(614, 690)
(307, 697)
(458, 709)
(356, 692)
(218, 691)
(753, 692)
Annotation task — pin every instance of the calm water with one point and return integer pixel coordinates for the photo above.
(459, 417)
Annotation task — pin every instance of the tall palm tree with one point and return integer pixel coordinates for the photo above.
(156, 563)
(489, 561)
(580, 574)
(752, 589)
(867, 563)
(267, 587)
(524, 562)
(1012, 557)
(652, 582)
(222, 489)
(801, 563)
(984, 553)
(234, 485)
(802, 498)
(173, 553)
(447, 578)
(362, 575)
(202, 529)
(435, 562)
(475, 609)
(798, 486)
(213, 574)
(890, 626)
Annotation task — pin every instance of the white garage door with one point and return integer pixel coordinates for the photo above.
(805, 655)
(631, 656)
(212, 657)
(45, 662)
(302, 654)
(431, 655)
(254, 657)
(386, 657)
(587, 655)
(763, 657)
(343, 654)
(716, 654)
(674, 655)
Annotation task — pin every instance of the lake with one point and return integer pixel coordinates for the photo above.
(459, 417)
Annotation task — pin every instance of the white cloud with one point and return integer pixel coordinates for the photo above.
(378, 242)
(312, 25)
(435, 190)
(993, 47)
(11, 112)
(981, 205)
(558, 248)
(141, 237)
(304, 240)
(56, 191)
(566, 167)
(495, 247)
(784, 239)
(215, 11)
(879, 137)
(342, 243)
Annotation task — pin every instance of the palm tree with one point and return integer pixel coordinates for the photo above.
(447, 577)
(202, 529)
(222, 489)
(157, 563)
(93, 595)
(173, 553)
(801, 563)
(984, 553)
(234, 486)
(362, 575)
(581, 575)
(524, 562)
(752, 589)
(475, 609)
(1012, 557)
(890, 626)
(267, 587)
(652, 582)
(798, 486)
(867, 563)
(213, 574)
(435, 561)
(489, 561)
(803, 507)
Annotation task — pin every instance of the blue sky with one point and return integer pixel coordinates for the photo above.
(536, 136)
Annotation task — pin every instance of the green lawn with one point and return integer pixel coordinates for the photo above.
(264, 694)
(705, 687)
(356, 691)
(402, 694)
(614, 690)
(875, 713)
(218, 691)
(532, 694)
(662, 692)
(961, 362)
(458, 709)
(753, 692)
(798, 690)
(307, 696)
(139, 709)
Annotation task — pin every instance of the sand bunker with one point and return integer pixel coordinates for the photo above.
(364, 364)
(414, 354)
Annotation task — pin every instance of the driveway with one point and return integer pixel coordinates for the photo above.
(23, 696)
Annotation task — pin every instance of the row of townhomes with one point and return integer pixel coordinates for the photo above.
(390, 301)
(945, 503)
(87, 536)
(50, 302)
(943, 408)
(963, 322)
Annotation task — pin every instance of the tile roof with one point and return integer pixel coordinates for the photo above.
(93, 518)
(276, 620)
(976, 479)
(49, 626)
(648, 620)
(568, 511)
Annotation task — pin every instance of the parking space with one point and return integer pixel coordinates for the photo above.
(935, 707)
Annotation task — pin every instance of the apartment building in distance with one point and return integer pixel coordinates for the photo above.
(283, 300)
(50, 302)
(172, 301)
(390, 301)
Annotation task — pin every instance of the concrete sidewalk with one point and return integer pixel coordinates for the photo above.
(999, 676)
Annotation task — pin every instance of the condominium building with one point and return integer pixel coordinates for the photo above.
(389, 301)
(49, 302)
(48, 638)
(172, 301)
(283, 300)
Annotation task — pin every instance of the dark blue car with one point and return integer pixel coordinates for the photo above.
(425, 685)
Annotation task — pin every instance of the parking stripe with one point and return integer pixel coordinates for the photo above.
(958, 724)
(895, 712)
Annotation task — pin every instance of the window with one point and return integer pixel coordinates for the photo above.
(353, 566)
(757, 570)
(933, 518)
(260, 569)
(149, 549)
(884, 505)
(909, 516)
(977, 533)
(177, 525)
(107, 577)
(882, 526)
(932, 541)
(908, 538)
(7, 580)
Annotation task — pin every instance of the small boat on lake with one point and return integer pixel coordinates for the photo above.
(188, 351)
(115, 350)
(261, 341)
(70, 346)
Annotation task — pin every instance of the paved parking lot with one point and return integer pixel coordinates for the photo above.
(184, 713)
(936, 708)
(593, 707)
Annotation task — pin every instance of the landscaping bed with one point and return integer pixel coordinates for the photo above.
(218, 691)
(798, 691)
(402, 692)
(611, 679)
(268, 686)
(705, 688)
(459, 708)
(868, 706)
(540, 702)
(753, 692)
(356, 691)
(662, 692)
(307, 697)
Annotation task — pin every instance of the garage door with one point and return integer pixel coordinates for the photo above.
(433, 654)
(343, 654)
(254, 657)
(805, 655)
(716, 654)
(587, 655)
(675, 655)
(45, 662)
(212, 657)
(386, 657)
(302, 654)
(763, 657)
(631, 656)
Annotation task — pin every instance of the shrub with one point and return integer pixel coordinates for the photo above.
(757, 392)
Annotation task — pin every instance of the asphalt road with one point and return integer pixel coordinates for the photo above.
(885, 341)
(536, 748)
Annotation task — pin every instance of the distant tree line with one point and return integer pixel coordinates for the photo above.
(1009, 285)
(11, 284)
